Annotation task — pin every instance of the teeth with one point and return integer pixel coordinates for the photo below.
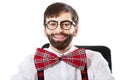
(59, 36)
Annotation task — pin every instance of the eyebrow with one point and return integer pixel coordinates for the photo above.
(59, 21)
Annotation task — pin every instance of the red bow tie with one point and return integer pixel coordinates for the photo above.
(44, 59)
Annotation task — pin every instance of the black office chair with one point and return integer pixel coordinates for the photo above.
(105, 51)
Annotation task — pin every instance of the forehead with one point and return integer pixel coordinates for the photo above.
(61, 17)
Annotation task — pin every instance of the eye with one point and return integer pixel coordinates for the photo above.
(52, 24)
(66, 24)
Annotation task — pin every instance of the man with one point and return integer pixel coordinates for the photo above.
(60, 26)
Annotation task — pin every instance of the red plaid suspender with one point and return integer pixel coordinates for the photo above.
(84, 74)
(40, 75)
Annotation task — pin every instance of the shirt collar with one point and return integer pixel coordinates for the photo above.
(59, 54)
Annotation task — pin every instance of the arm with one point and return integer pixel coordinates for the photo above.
(101, 69)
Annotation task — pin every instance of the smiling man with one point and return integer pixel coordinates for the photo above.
(61, 24)
(60, 31)
(62, 60)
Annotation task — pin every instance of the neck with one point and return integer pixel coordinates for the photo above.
(61, 51)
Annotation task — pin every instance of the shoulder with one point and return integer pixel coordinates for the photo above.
(94, 58)
(93, 54)
(28, 64)
(27, 69)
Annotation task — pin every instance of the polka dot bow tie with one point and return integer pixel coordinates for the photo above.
(45, 59)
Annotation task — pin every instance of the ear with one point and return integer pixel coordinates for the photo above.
(76, 31)
(45, 31)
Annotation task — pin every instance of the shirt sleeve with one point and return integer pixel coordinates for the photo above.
(27, 70)
(100, 67)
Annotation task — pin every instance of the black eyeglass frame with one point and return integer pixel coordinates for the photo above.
(60, 23)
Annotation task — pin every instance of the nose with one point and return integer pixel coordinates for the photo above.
(59, 29)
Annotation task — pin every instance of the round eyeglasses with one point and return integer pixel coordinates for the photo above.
(66, 25)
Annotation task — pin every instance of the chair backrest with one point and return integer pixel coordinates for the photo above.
(105, 51)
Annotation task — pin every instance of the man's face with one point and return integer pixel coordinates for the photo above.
(60, 38)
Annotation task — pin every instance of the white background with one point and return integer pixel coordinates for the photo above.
(21, 29)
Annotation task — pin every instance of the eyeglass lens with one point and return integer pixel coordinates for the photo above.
(63, 24)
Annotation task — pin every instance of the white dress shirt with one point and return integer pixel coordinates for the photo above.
(97, 68)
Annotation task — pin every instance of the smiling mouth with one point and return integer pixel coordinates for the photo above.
(59, 37)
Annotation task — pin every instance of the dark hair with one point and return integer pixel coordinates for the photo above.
(55, 9)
